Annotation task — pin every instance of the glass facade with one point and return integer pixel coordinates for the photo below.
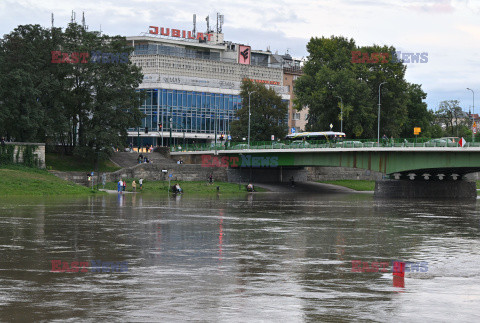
(189, 111)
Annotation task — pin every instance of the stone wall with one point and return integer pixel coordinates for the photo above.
(459, 189)
(267, 175)
(39, 152)
(337, 173)
(151, 172)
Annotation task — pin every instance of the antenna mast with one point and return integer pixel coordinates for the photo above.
(53, 20)
(83, 21)
(194, 25)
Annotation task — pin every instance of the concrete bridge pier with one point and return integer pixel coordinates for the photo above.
(404, 188)
(280, 174)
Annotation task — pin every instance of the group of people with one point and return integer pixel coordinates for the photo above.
(177, 189)
(122, 185)
(143, 159)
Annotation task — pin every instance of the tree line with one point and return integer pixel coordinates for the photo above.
(69, 88)
(331, 73)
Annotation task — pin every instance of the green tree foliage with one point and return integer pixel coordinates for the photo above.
(418, 115)
(329, 73)
(453, 119)
(268, 114)
(86, 107)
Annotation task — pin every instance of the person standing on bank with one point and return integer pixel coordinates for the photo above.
(134, 186)
(124, 185)
(140, 181)
(120, 186)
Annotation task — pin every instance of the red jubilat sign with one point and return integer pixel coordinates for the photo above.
(462, 142)
(154, 30)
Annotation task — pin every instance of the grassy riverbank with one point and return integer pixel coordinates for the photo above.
(357, 185)
(195, 187)
(21, 180)
(66, 163)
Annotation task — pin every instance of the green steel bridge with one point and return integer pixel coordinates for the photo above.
(400, 160)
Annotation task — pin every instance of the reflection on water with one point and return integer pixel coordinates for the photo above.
(272, 257)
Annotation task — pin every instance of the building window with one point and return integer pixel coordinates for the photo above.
(306, 117)
(296, 116)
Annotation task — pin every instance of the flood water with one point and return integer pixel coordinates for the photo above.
(270, 257)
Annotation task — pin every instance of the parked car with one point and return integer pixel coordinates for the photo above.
(451, 140)
(437, 142)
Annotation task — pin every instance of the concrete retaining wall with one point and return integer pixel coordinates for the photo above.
(152, 172)
(426, 189)
(39, 152)
(267, 175)
(337, 173)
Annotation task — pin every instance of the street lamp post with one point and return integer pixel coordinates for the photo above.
(378, 128)
(215, 126)
(473, 114)
(341, 114)
(249, 93)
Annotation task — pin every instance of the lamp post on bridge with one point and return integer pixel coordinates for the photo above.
(378, 128)
(341, 113)
(249, 93)
(473, 114)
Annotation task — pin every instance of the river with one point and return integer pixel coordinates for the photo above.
(272, 257)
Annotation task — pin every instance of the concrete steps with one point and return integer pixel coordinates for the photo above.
(130, 159)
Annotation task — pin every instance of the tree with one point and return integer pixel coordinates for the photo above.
(451, 116)
(268, 114)
(329, 73)
(84, 106)
(418, 115)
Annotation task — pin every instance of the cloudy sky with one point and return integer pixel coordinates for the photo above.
(448, 30)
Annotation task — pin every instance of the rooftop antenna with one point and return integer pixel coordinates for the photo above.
(194, 25)
(219, 22)
(100, 29)
(73, 17)
(83, 21)
(208, 24)
(53, 20)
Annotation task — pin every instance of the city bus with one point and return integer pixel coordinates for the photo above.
(329, 136)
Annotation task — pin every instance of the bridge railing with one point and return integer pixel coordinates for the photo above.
(354, 143)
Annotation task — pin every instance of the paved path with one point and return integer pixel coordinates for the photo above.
(306, 187)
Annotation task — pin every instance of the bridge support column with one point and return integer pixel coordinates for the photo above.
(392, 188)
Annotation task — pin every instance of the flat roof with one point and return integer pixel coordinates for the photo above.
(193, 43)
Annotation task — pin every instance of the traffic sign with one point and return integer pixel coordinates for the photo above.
(170, 175)
(294, 130)
(417, 130)
(462, 142)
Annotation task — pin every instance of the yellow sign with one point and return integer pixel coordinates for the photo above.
(474, 124)
(417, 130)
